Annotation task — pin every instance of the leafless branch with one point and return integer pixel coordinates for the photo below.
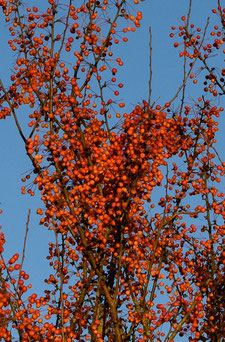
(150, 66)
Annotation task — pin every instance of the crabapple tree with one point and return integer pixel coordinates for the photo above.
(124, 266)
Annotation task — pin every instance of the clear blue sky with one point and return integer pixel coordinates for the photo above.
(167, 75)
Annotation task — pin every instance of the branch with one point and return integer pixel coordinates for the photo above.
(150, 66)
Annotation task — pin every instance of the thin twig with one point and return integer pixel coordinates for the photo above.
(60, 268)
(185, 59)
(13, 111)
(24, 244)
(150, 66)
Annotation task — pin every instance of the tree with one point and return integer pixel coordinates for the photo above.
(125, 267)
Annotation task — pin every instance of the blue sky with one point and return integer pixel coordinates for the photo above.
(167, 75)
